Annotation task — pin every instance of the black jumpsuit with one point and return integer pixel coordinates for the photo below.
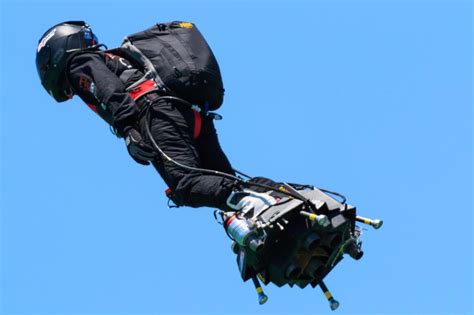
(100, 80)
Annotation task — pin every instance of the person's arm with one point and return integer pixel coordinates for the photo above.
(92, 79)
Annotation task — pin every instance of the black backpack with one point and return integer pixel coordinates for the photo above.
(178, 58)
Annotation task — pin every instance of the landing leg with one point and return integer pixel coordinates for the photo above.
(262, 298)
(376, 224)
(332, 302)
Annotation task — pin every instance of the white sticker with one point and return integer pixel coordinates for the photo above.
(122, 61)
(45, 39)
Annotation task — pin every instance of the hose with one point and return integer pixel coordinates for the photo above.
(203, 170)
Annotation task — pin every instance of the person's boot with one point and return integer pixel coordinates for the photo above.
(246, 200)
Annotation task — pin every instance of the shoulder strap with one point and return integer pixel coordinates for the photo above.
(117, 52)
(138, 57)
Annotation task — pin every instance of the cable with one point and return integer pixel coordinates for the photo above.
(343, 201)
(215, 216)
(240, 173)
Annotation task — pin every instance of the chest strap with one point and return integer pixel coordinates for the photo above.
(141, 89)
(148, 86)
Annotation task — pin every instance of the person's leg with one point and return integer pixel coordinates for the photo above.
(213, 157)
(210, 152)
(172, 128)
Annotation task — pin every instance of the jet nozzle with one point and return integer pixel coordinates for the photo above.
(311, 242)
(293, 271)
(332, 240)
(353, 249)
(315, 268)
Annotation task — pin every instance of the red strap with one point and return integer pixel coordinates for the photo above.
(229, 221)
(197, 124)
(92, 106)
(111, 56)
(141, 89)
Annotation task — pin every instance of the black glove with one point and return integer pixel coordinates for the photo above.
(137, 148)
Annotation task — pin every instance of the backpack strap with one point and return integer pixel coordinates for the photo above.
(138, 57)
(197, 124)
(116, 53)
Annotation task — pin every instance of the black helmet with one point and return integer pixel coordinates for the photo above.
(55, 48)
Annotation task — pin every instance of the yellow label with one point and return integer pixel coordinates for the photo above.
(367, 221)
(312, 217)
(328, 295)
(259, 290)
(281, 188)
(186, 24)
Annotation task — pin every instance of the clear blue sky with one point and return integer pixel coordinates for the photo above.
(369, 98)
